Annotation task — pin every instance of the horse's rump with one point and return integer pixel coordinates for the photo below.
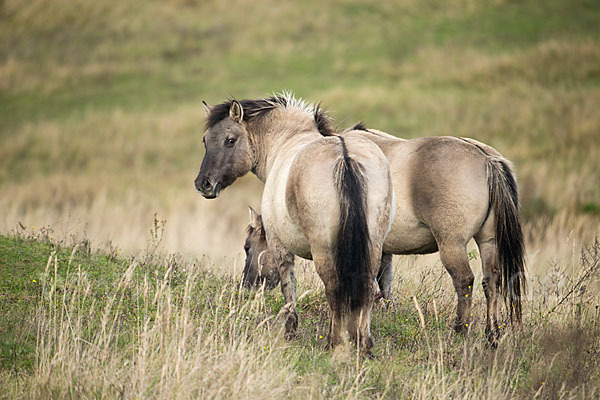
(329, 194)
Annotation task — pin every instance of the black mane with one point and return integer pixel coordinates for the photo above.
(257, 108)
(323, 121)
(360, 126)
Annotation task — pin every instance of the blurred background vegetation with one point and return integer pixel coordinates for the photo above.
(101, 117)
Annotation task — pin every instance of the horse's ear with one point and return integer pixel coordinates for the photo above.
(255, 219)
(207, 107)
(236, 112)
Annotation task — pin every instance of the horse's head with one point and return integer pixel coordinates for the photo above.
(228, 153)
(259, 268)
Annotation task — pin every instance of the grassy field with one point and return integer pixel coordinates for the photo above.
(100, 132)
(80, 324)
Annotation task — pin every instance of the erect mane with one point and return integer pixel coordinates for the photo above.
(254, 109)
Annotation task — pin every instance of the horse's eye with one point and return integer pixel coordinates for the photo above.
(246, 249)
(229, 141)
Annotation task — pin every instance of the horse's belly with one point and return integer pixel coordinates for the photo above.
(293, 239)
(409, 236)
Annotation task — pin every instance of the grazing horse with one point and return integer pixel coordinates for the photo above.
(327, 198)
(448, 190)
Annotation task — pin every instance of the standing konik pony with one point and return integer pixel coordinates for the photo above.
(448, 190)
(327, 198)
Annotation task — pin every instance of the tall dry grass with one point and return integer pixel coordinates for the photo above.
(171, 329)
(144, 341)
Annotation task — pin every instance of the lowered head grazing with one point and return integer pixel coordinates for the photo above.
(228, 154)
(258, 268)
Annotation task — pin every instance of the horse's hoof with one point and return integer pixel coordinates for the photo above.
(493, 335)
(388, 303)
(290, 335)
(291, 326)
(331, 345)
(461, 329)
(378, 296)
(366, 347)
(367, 354)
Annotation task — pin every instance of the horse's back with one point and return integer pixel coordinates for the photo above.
(441, 190)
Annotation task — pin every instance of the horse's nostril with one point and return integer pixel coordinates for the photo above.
(206, 184)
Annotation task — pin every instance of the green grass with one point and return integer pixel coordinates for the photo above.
(22, 270)
(88, 308)
(25, 273)
(183, 59)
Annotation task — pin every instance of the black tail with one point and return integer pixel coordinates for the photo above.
(504, 199)
(352, 253)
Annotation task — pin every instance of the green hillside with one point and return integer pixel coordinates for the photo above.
(521, 75)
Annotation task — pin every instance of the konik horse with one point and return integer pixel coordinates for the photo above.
(327, 197)
(448, 190)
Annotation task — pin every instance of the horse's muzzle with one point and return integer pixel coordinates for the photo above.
(207, 188)
(269, 282)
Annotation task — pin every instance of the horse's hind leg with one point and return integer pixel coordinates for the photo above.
(334, 338)
(490, 287)
(491, 278)
(455, 260)
(359, 327)
(325, 266)
(385, 276)
(359, 320)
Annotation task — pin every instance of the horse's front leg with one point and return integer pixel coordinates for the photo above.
(385, 275)
(284, 260)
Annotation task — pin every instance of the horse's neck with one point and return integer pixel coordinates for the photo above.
(280, 137)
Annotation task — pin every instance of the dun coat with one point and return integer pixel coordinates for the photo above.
(327, 197)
